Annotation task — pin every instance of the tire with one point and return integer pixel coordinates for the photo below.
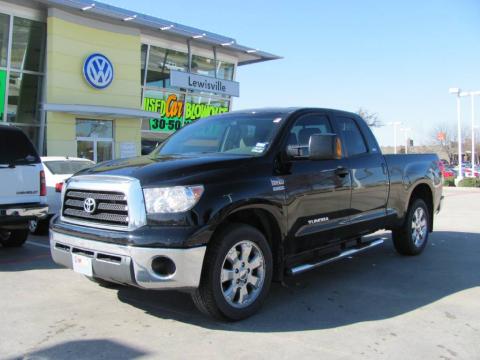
(243, 256)
(14, 238)
(412, 237)
(38, 227)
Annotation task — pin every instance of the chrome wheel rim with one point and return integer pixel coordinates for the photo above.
(32, 225)
(419, 227)
(242, 274)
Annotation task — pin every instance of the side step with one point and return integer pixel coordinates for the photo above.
(305, 267)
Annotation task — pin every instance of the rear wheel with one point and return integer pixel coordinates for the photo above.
(14, 238)
(237, 274)
(412, 237)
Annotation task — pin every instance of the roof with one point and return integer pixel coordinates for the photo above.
(246, 54)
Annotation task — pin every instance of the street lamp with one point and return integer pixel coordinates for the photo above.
(395, 124)
(457, 92)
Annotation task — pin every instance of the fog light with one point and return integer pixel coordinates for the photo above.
(163, 266)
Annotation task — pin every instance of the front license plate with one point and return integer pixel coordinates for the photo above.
(82, 264)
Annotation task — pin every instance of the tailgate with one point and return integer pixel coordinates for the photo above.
(20, 184)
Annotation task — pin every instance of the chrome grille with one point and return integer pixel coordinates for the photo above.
(111, 207)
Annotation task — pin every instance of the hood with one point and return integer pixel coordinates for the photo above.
(152, 170)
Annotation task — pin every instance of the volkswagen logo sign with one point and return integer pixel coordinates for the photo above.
(89, 205)
(98, 71)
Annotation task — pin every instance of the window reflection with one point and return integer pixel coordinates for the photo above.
(28, 44)
(4, 25)
(23, 97)
(161, 62)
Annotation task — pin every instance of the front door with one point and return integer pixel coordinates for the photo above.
(317, 191)
(95, 139)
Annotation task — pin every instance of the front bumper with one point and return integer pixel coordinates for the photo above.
(130, 265)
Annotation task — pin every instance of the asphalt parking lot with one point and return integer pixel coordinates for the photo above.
(374, 305)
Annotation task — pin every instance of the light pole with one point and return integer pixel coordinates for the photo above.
(395, 124)
(457, 92)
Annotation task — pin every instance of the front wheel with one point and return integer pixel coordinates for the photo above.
(237, 274)
(412, 237)
(38, 227)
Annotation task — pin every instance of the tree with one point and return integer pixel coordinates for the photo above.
(371, 118)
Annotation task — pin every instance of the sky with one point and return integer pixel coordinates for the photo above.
(394, 58)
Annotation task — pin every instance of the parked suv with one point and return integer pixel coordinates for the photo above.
(23, 188)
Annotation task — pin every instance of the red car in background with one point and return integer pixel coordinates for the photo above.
(446, 172)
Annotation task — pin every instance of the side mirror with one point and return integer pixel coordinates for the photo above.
(324, 147)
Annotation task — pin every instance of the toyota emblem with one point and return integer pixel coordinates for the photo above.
(89, 205)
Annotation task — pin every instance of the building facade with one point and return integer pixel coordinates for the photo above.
(86, 79)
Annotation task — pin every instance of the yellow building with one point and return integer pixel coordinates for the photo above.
(86, 79)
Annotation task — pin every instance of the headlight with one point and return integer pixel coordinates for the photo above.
(171, 199)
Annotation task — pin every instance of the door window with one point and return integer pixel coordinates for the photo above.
(354, 141)
(307, 126)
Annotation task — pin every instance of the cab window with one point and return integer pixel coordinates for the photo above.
(353, 138)
(305, 127)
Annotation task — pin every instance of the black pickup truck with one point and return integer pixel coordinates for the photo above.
(232, 202)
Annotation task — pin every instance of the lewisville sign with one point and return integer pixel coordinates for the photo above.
(171, 112)
(207, 84)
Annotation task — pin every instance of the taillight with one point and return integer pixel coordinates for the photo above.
(43, 185)
(58, 187)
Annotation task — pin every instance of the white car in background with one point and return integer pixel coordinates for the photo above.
(57, 170)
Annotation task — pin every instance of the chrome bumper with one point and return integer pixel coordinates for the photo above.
(128, 264)
(37, 211)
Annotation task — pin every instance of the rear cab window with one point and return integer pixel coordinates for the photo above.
(353, 139)
(16, 148)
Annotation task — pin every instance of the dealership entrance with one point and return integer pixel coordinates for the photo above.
(95, 139)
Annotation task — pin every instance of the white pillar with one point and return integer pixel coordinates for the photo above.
(459, 139)
(473, 134)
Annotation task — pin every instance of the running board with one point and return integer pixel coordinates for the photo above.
(305, 267)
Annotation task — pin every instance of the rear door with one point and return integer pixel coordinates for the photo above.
(20, 168)
(317, 191)
(368, 172)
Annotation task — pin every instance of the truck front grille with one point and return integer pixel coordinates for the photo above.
(110, 208)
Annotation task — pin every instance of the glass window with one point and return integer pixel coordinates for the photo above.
(66, 167)
(85, 150)
(15, 147)
(143, 59)
(203, 66)
(4, 26)
(238, 134)
(161, 62)
(23, 98)
(168, 105)
(95, 128)
(28, 44)
(354, 142)
(305, 127)
(197, 107)
(225, 70)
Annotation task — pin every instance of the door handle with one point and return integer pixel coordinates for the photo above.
(341, 171)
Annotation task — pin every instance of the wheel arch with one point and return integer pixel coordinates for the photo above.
(423, 191)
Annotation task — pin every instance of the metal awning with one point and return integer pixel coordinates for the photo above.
(245, 54)
(96, 110)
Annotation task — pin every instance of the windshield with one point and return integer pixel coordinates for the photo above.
(65, 167)
(242, 134)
